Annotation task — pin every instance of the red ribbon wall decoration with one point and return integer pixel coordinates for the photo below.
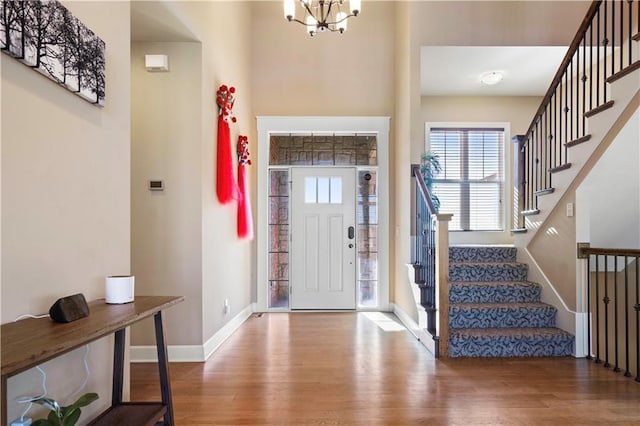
(245, 221)
(226, 186)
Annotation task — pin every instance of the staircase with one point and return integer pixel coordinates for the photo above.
(494, 311)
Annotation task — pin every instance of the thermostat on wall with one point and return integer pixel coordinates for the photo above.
(156, 185)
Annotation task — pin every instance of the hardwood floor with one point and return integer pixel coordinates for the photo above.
(348, 369)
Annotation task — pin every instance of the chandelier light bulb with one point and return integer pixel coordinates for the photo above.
(312, 25)
(356, 6)
(341, 19)
(289, 9)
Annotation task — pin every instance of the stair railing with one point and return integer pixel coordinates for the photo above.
(613, 306)
(600, 53)
(431, 262)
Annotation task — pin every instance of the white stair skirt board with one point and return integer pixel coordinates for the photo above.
(582, 328)
(423, 337)
(193, 353)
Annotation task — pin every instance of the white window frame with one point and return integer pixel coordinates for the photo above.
(330, 125)
(485, 237)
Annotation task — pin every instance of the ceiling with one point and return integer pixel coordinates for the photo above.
(456, 70)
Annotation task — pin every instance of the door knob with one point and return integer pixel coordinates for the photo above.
(350, 245)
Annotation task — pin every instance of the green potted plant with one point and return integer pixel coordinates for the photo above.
(63, 416)
(429, 168)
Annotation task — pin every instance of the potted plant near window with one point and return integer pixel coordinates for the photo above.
(63, 416)
(429, 168)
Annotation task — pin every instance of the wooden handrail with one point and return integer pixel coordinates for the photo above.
(557, 79)
(415, 172)
(585, 251)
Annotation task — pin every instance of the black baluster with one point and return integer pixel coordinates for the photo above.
(591, 65)
(571, 104)
(539, 155)
(630, 42)
(636, 307)
(598, 61)
(566, 116)
(606, 301)
(597, 302)
(613, 37)
(605, 43)
(584, 86)
(627, 373)
(577, 105)
(589, 327)
(615, 310)
(547, 147)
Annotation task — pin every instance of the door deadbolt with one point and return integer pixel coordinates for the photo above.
(351, 232)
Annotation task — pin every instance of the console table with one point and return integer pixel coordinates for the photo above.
(30, 342)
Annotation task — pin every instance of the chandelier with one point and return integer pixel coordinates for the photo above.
(322, 15)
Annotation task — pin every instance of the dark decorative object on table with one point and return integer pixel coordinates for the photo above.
(70, 308)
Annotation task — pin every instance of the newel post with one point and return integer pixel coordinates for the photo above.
(519, 181)
(442, 283)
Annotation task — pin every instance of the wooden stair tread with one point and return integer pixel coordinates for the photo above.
(580, 140)
(545, 191)
(598, 109)
(625, 71)
(560, 168)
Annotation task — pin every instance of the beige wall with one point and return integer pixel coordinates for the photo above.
(223, 28)
(400, 164)
(65, 198)
(166, 227)
(329, 74)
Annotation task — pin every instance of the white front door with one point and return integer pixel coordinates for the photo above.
(323, 252)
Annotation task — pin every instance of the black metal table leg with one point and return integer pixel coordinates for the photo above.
(163, 366)
(118, 368)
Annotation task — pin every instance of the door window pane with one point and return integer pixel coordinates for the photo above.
(279, 238)
(323, 150)
(310, 190)
(336, 190)
(367, 244)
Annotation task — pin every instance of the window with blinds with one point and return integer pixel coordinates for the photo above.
(471, 183)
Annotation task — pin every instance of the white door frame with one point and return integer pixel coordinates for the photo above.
(328, 125)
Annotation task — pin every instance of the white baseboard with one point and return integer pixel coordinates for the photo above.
(423, 337)
(193, 353)
(227, 330)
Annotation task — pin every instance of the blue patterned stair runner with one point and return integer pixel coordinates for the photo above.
(495, 312)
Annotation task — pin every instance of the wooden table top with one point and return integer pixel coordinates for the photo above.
(32, 341)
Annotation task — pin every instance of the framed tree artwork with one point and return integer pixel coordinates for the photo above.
(45, 36)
